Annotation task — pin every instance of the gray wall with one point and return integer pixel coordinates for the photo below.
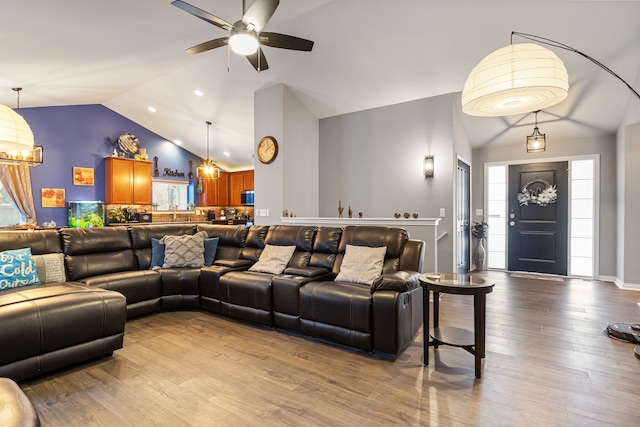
(604, 146)
(628, 232)
(371, 161)
(291, 181)
(627, 158)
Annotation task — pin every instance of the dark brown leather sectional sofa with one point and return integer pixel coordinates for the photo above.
(48, 326)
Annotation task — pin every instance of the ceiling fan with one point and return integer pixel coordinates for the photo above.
(246, 36)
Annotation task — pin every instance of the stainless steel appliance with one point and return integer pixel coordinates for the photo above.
(247, 198)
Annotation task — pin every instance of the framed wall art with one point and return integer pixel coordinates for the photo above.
(83, 176)
(53, 198)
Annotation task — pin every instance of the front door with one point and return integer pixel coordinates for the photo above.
(463, 207)
(538, 218)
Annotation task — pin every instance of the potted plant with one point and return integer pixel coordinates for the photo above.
(116, 216)
(479, 231)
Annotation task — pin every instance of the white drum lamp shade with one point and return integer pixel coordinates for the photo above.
(515, 79)
(15, 133)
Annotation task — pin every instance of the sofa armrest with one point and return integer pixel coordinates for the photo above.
(307, 271)
(400, 281)
(234, 263)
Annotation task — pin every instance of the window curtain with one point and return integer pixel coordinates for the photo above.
(16, 179)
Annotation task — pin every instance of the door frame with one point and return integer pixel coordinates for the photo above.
(596, 201)
(460, 158)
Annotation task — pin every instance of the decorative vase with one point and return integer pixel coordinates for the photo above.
(479, 255)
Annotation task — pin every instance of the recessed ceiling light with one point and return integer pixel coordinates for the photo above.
(177, 142)
(226, 153)
(153, 110)
(198, 92)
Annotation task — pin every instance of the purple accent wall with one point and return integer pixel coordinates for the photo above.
(78, 136)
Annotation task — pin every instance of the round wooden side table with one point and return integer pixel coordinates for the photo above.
(461, 284)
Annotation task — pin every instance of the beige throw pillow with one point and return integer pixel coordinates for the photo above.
(184, 251)
(361, 264)
(273, 259)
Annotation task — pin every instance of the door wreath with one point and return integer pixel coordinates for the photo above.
(538, 192)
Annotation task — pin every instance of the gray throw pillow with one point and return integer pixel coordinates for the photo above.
(273, 259)
(50, 267)
(361, 264)
(184, 251)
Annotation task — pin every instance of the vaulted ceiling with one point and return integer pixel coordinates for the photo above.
(130, 55)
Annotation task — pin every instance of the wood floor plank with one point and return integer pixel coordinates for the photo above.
(548, 363)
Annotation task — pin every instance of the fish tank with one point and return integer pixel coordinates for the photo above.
(85, 214)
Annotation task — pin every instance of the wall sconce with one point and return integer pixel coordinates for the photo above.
(427, 166)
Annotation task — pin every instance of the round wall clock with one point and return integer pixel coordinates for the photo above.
(267, 149)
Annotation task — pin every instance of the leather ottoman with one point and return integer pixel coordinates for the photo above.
(16, 409)
(54, 325)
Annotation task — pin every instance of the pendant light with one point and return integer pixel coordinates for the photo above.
(208, 169)
(16, 138)
(536, 142)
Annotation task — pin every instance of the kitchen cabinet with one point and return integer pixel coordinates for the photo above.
(215, 191)
(248, 180)
(128, 181)
(238, 183)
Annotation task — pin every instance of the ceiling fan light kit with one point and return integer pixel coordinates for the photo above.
(515, 79)
(243, 42)
(245, 36)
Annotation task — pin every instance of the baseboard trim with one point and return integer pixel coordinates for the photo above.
(619, 283)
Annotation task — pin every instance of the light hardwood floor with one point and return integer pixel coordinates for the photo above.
(548, 363)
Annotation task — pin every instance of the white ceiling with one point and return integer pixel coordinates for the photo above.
(129, 55)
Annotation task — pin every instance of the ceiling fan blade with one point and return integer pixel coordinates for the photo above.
(205, 16)
(259, 65)
(259, 13)
(211, 44)
(284, 41)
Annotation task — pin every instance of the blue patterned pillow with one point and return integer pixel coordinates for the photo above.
(210, 249)
(17, 268)
(157, 254)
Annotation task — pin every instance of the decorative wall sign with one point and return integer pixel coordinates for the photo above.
(538, 192)
(53, 198)
(83, 176)
(171, 172)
